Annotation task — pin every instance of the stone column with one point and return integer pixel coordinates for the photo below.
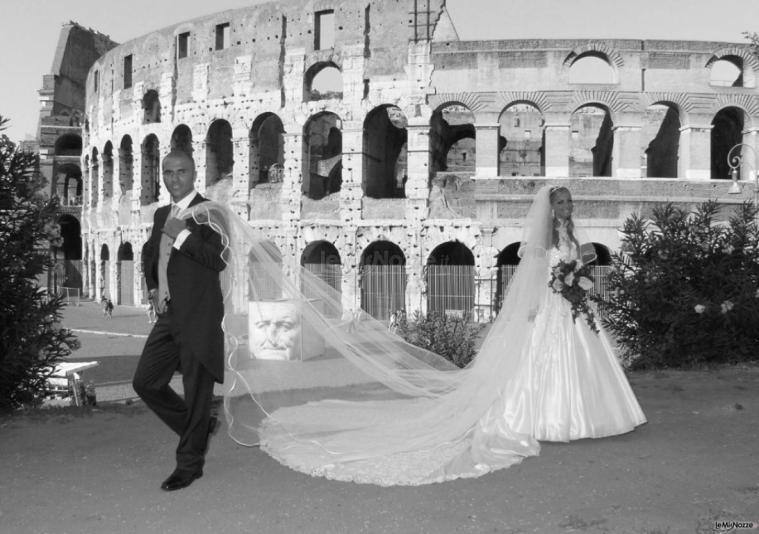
(625, 157)
(290, 194)
(199, 155)
(556, 149)
(695, 161)
(136, 175)
(486, 143)
(240, 172)
(351, 190)
(418, 169)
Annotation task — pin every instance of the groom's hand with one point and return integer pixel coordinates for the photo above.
(159, 307)
(173, 227)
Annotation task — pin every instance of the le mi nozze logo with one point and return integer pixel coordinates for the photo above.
(733, 526)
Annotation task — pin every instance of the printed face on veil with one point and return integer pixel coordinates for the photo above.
(274, 328)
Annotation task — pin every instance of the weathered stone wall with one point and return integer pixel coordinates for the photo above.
(387, 58)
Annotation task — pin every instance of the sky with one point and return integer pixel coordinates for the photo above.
(29, 29)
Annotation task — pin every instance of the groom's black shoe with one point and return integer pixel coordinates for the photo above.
(180, 479)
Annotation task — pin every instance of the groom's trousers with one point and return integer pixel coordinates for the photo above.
(189, 417)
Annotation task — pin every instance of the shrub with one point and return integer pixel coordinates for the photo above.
(684, 288)
(454, 338)
(31, 339)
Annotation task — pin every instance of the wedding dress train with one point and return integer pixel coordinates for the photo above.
(371, 408)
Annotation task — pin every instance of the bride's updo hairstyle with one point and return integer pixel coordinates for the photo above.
(556, 223)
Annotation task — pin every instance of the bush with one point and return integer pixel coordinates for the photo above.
(31, 339)
(452, 337)
(684, 289)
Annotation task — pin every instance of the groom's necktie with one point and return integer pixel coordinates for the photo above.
(163, 260)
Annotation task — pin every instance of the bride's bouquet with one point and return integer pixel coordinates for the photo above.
(572, 280)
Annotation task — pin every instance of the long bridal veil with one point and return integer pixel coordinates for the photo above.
(328, 390)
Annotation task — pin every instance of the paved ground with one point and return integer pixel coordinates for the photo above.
(98, 470)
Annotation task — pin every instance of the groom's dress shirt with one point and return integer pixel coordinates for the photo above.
(166, 245)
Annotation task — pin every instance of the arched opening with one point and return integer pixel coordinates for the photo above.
(151, 175)
(521, 141)
(506, 266)
(323, 81)
(69, 255)
(68, 184)
(321, 261)
(727, 72)
(105, 271)
(68, 145)
(322, 156)
(382, 279)
(384, 148)
(126, 165)
(450, 280)
(661, 141)
(219, 152)
(108, 171)
(727, 131)
(181, 139)
(452, 139)
(267, 150)
(151, 107)
(601, 268)
(126, 275)
(591, 68)
(591, 142)
(95, 176)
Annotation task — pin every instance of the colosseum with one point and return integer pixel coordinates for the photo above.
(389, 157)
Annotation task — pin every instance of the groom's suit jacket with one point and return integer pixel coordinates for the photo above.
(197, 306)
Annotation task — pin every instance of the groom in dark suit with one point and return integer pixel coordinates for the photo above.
(182, 261)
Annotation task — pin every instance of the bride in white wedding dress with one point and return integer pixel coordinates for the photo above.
(368, 407)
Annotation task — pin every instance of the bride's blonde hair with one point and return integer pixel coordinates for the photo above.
(570, 223)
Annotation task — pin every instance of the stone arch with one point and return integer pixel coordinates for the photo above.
(598, 49)
(95, 176)
(323, 81)
(382, 279)
(105, 271)
(591, 141)
(219, 152)
(660, 136)
(592, 68)
(71, 250)
(181, 139)
(452, 138)
(449, 276)
(68, 145)
(521, 140)
(266, 150)
(151, 107)
(151, 165)
(321, 261)
(107, 170)
(506, 265)
(322, 155)
(125, 270)
(68, 184)
(727, 131)
(126, 165)
(603, 254)
(741, 58)
(385, 163)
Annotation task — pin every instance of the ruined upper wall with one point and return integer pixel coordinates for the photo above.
(544, 65)
(262, 38)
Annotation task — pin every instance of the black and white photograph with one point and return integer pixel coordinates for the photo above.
(379, 266)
